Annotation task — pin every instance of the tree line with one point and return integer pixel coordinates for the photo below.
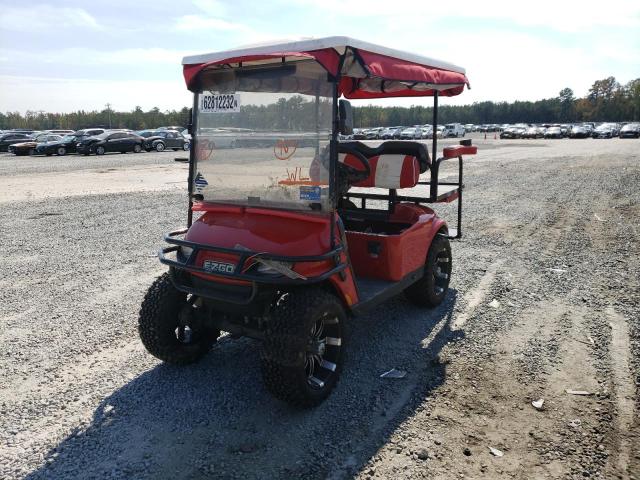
(607, 100)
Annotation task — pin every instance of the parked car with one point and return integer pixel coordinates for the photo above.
(10, 138)
(427, 132)
(630, 130)
(89, 132)
(122, 142)
(60, 132)
(173, 127)
(163, 139)
(578, 131)
(553, 132)
(372, 134)
(29, 147)
(359, 134)
(388, 133)
(533, 132)
(511, 132)
(603, 131)
(64, 145)
(411, 133)
(453, 130)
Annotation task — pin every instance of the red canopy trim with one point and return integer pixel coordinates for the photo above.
(368, 88)
(328, 58)
(385, 67)
(377, 76)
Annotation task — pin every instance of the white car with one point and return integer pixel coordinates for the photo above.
(453, 130)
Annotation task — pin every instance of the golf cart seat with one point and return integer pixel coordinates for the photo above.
(394, 164)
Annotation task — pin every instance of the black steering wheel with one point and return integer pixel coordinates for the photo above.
(354, 175)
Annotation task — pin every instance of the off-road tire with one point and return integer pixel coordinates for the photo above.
(431, 289)
(158, 320)
(287, 336)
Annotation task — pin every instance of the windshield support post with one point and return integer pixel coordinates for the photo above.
(192, 157)
(333, 159)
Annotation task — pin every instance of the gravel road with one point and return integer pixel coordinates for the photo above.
(545, 298)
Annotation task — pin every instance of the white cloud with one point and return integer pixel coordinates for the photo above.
(212, 7)
(563, 16)
(189, 23)
(89, 56)
(45, 18)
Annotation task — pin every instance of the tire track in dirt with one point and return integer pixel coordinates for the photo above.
(620, 351)
(474, 297)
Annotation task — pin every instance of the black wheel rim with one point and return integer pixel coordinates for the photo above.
(185, 335)
(323, 351)
(441, 272)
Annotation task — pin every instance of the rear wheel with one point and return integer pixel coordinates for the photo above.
(137, 148)
(186, 146)
(302, 351)
(165, 328)
(100, 150)
(61, 151)
(159, 147)
(431, 289)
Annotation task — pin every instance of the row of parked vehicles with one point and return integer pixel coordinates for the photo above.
(520, 130)
(96, 141)
(582, 130)
(415, 132)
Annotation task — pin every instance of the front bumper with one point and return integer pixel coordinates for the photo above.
(84, 148)
(182, 267)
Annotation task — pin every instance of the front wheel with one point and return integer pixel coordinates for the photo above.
(431, 289)
(164, 325)
(100, 150)
(137, 148)
(302, 352)
(159, 147)
(61, 151)
(186, 146)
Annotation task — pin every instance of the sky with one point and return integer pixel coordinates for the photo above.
(67, 55)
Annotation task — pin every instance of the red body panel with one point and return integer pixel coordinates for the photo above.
(274, 231)
(302, 234)
(399, 254)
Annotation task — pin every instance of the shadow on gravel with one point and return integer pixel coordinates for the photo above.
(216, 420)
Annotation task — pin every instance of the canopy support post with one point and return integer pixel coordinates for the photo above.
(434, 151)
(193, 124)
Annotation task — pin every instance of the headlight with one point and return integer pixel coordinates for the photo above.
(184, 253)
(273, 267)
(268, 269)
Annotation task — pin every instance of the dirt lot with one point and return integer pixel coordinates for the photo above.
(545, 298)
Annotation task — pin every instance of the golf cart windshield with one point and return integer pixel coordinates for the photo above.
(258, 129)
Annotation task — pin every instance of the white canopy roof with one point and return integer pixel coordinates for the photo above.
(339, 43)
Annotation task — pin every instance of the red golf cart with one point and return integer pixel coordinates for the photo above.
(292, 228)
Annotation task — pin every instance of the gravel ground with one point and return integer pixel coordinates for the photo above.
(551, 234)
